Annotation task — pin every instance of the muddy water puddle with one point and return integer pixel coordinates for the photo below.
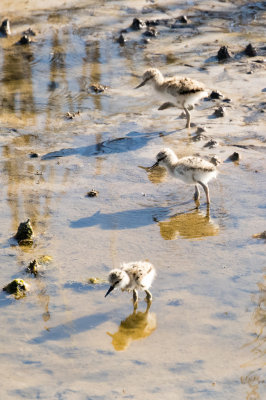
(71, 122)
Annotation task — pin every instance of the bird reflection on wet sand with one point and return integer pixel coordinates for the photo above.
(137, 325)
(191, 225)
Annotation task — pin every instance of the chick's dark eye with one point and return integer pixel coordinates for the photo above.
(116, 282)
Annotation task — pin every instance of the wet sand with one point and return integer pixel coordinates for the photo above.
(204, 335)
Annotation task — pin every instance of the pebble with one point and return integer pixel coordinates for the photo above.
(121, 40)
(250, 50)
(201, 129)
(234, 157)
(219, 112)
(215, 160)
(223, 54)
(215, 94)
(137, 24)
(92, 193)
(150, 32)
(5, 28)
(34, 155)
(25, 39)
(211, 144)
(183, 19)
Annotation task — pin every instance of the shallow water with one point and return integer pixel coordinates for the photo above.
(204, 335)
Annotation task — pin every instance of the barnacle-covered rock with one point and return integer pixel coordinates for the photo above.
(24, 233)
(18, 287)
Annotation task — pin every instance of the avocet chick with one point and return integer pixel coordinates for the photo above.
(192, 170)
(183, 91)
(133, 276)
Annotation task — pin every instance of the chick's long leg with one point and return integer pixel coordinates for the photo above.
(148, 296)
(188, 117)
(206, 190)
(135, 298)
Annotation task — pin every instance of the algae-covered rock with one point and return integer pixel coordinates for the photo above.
(96, 281)
(33, 267)
(18, 287)
(24, 233)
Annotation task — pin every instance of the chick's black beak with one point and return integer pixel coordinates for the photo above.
(109, 290)
(154, 165)
(141, 84)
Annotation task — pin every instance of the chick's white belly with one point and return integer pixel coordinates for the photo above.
(164, 97)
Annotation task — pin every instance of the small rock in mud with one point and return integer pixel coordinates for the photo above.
(183, 19)
(198, 137)
(227, 100)
(223, 54)
(18, 287)
(34, 155)
(150, 32)
(137, 24)
(234, 157)
(152, 22)
(24, 233)
(199, 134)
(261, 235)
(121, 39)
(146, 40)
(25, 39)
(69, 115)
(29, 32)
(250, 50)
(5, 28)
(211, 144)
(33, 267)
(219, 112)
(92, 193)
(98, 88)
(215, 94)
(215, 160)
(201, 129)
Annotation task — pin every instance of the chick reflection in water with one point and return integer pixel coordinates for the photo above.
(191, 225)
(137, 325)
